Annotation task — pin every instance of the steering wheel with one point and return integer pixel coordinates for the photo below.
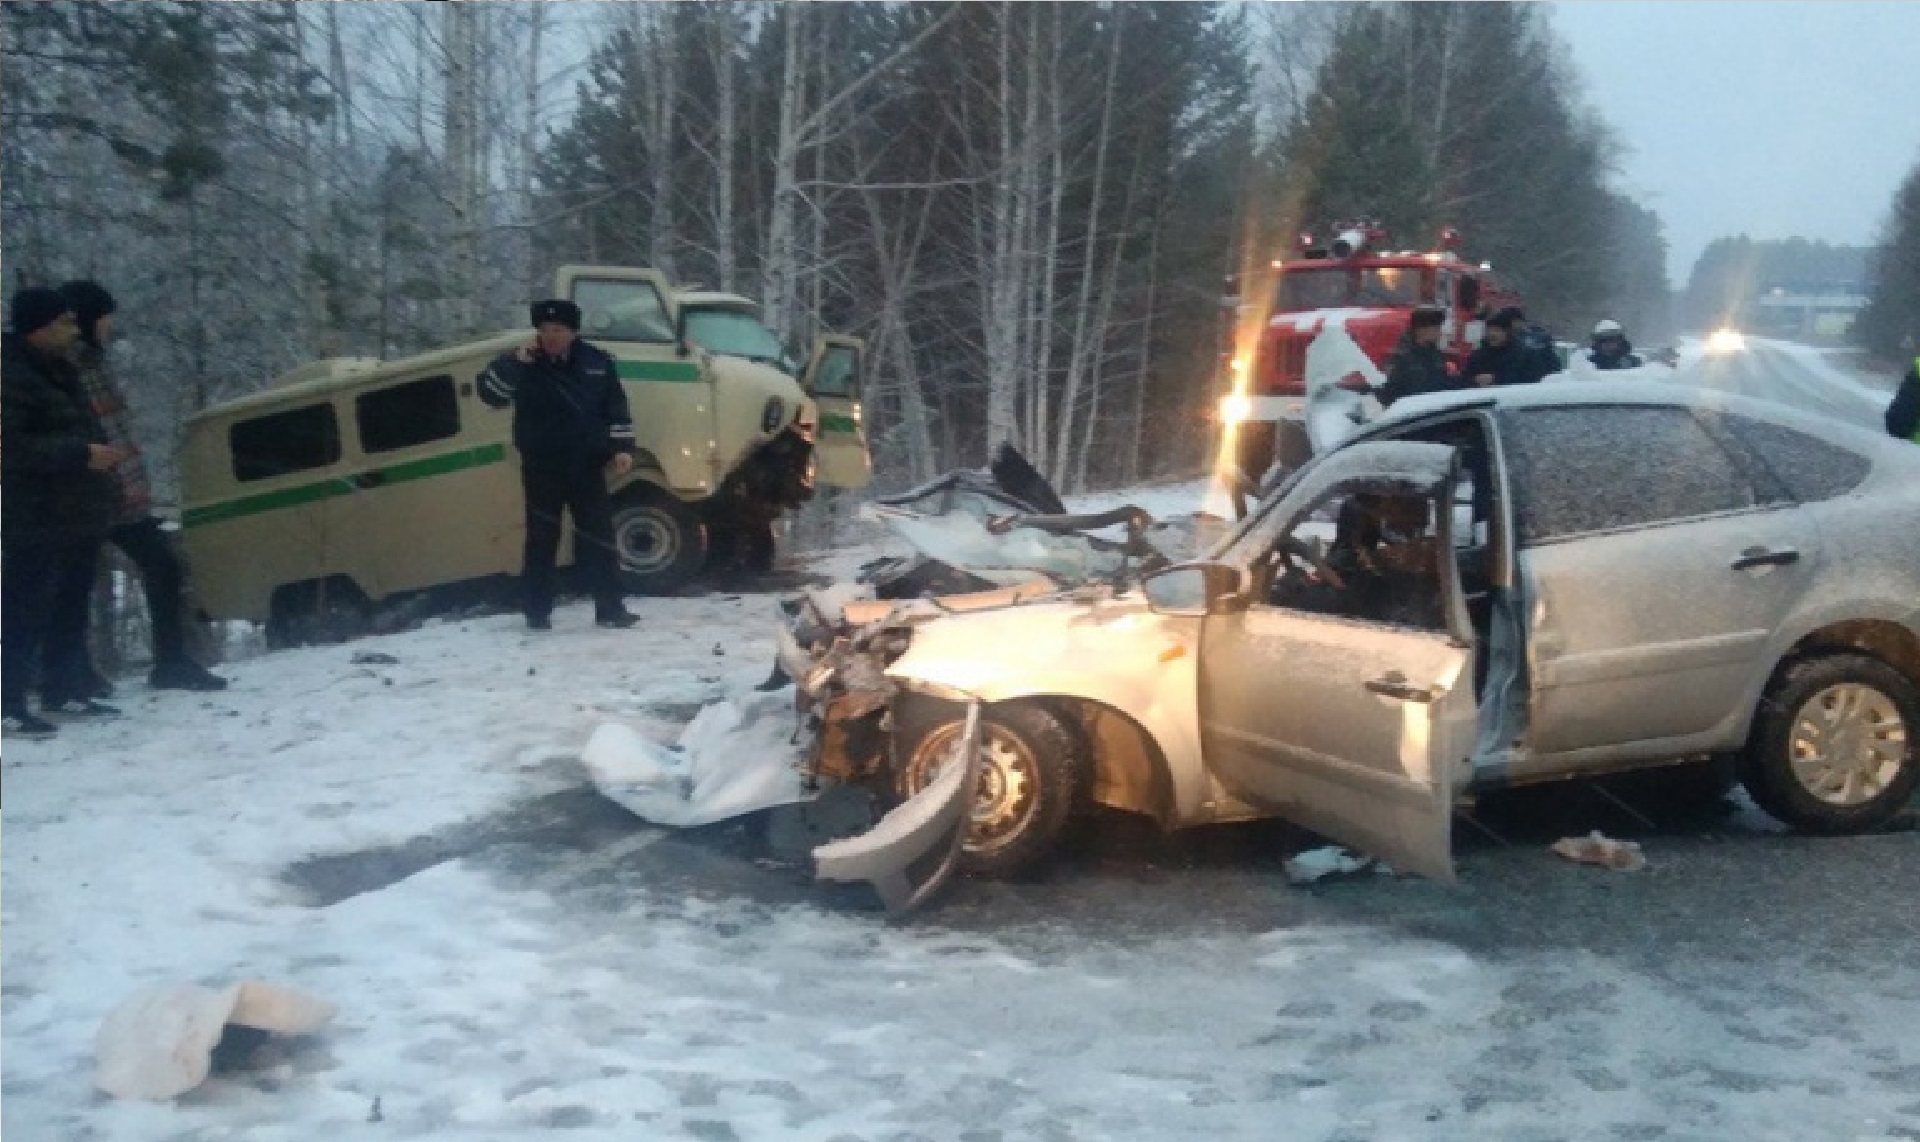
(1292, 548)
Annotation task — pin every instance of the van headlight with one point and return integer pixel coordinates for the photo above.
(772, 416)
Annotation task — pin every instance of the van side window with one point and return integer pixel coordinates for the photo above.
(401, 416)
(282, 443)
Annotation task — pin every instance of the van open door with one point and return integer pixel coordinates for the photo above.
(833, 379)
(1313, 707)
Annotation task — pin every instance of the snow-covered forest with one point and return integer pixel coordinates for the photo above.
(1027, 209)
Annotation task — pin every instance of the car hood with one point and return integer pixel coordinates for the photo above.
(1057, 646)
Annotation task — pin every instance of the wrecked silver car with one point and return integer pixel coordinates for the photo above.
(1482, 589)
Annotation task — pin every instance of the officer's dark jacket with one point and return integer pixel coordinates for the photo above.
(46, 424)
(1414, 370)
(563, 409)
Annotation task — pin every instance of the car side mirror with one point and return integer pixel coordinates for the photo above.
(1192, 589)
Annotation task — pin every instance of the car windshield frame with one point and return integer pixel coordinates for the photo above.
(622, 309)
(746, 336)
(1335, 286)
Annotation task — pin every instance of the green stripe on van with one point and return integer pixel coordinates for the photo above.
(835, 422)
(342, 486)
(667, 372)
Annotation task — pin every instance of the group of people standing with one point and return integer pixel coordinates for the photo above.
(71, 481)
(1511, 352)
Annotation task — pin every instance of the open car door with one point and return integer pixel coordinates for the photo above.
(1336, 697)
(833, 380)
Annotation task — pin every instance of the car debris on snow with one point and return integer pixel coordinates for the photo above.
(735, 757)
(980, 540)
(1314, 864)
(158, 1043)
(1594, 848)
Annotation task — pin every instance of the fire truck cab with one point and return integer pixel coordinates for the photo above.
(1328, 319)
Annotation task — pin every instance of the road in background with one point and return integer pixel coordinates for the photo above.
(1815, 380)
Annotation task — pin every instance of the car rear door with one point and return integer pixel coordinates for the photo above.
(1352, 726)
(1658, 563)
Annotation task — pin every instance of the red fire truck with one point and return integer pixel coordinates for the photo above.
(1357, 285)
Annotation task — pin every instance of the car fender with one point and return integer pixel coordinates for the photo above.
(1117, 653)
(1805, 623)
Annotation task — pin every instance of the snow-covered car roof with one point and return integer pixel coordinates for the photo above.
(1670, 394)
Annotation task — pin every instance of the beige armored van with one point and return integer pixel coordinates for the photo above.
(352, 482)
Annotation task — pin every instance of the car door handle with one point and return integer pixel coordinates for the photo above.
(1395, 685)
(1762, 557)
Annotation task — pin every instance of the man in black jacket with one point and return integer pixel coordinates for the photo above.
(1417, 366)
(58, 498)
(1511, 352)
(1903, 415)
(571, 425)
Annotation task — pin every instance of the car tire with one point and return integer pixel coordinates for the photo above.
(1833, 745)
(1035, 771)
(660, 541)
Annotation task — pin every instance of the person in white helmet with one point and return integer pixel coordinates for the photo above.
(1610, 347)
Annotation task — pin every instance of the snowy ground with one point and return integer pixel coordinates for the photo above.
(514, 956)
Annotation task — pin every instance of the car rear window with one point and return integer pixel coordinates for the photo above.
(1809, 468)
(1577, 470)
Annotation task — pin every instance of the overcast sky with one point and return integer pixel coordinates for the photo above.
(1772, 119)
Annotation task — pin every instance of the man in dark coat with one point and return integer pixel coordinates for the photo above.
(1417, 366)
(1903, 415)
(136, 531)
(58, 499)
(1511, 352)
(571, 425)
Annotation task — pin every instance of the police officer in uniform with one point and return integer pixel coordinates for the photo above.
(572, 427)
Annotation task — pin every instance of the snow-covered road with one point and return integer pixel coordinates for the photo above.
(514, 956)
(1816, 380)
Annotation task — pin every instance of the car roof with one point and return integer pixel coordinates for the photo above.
(1668, 394)
(712, 299)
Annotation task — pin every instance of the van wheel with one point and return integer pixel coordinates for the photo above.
(1833, 747)
(317, 614)
(1034, 769)
(660, 541)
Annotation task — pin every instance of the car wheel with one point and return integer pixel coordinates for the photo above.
(1833, 747)
(660, 541)
(1034, 769)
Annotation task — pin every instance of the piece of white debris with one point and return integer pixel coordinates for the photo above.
(1624, 856)
(735, 757)
(158, 1044)
(1309, 866)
